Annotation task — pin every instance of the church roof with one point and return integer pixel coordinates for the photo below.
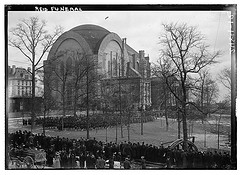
(93, 34)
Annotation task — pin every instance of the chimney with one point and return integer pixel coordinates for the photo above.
(141, 54)
(125, 40)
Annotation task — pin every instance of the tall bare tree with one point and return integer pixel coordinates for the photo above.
(48, 102)
(58, 75)
(32, 39)
(73, 77)
(82, 65)
(183, 53)
(205, 89)
(225, 78)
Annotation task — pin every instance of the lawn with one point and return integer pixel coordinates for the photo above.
(153, 133)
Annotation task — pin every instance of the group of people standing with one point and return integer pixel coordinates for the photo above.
(80, 122)
(91, 154)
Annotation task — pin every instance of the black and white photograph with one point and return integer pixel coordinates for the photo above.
(116, 87)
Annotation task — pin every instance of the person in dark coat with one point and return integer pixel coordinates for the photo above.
(64, 159)
(90, 161)
(82, 160)
(49, 157)
(72, 160)
(127, 164)
(111, 163)
(143, 162)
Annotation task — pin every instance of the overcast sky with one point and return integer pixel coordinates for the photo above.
(141, 28)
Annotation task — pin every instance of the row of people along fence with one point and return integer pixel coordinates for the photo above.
(86, 153)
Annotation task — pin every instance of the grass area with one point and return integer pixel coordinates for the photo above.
(153, 133)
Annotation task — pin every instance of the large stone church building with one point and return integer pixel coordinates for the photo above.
(116, 60)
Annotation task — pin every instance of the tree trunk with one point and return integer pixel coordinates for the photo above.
(128, 127)
(75, 103)
(116, 130)
(166, 116)
(64, 111)
(205, 135)
(184, 119)
(87, 107)
(44, 117)
(106, 134)
(33, 95)
(218, 135)
(121, 127)
(141, 122)
(165, 107)
(202, 100)
(179, 125)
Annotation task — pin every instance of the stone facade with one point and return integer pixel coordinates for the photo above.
(116, 61)
(19, 82)
(20, 88)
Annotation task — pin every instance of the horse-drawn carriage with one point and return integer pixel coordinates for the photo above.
(27, 158)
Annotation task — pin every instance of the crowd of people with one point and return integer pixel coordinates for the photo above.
(95, 121)
(92, 154)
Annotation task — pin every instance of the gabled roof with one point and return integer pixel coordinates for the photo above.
(131, 50)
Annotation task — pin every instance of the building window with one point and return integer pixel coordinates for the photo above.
(114, 67)
(109, 68)
(18, 82)
(104, 62)
(137, 68)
